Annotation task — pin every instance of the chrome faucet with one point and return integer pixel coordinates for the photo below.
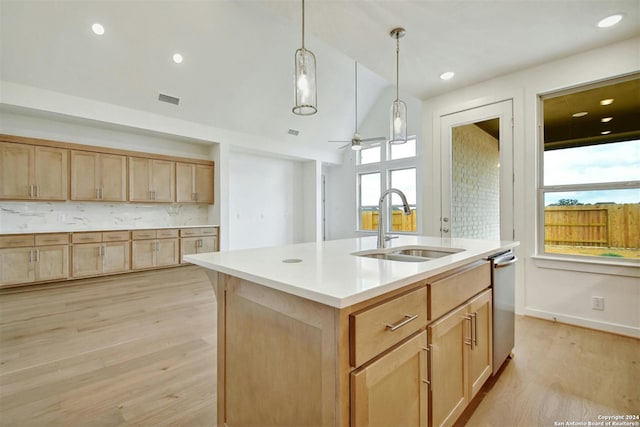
(382, 239)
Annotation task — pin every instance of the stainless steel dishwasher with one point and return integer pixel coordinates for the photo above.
(503, 280)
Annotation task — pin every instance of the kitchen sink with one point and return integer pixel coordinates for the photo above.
(408, 253)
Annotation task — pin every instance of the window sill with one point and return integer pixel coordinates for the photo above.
(597, 266)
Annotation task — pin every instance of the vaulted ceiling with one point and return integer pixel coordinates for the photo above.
(238, 54)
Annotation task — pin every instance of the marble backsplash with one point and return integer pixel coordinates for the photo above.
(16, 217)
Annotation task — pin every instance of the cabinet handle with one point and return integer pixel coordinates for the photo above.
(31, 191)
(469, 341)
(408, 318)
(430, 363)
(30, 256)
(37, 252)
(474, 331)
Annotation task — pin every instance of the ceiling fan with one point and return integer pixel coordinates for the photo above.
(357, 142)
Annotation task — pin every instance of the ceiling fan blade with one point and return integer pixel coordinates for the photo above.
(376, 139)
(341, 142)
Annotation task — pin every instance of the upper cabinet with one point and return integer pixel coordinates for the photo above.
(29, 172)
(98, 176)
(194, 183)
(151, 180)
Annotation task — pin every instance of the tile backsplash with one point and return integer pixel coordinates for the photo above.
(28, 217)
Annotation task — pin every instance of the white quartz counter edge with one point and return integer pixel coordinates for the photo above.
(114, 228)
(330, 275)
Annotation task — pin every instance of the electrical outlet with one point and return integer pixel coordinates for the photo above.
(597, 303)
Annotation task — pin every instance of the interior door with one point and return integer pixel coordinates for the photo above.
(477, 172)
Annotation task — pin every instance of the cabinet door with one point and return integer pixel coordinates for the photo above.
(143, 254)
(139, 179)
(185, 191)
(84, 176)
(15, 171)
(166, 252)
(203, 183)
(208, 244)
(449, 382)
(115, 257)
(16, 266)
(392, 391)
(480, 353)
(188, 246)
(86, 259)
(113, 177)
(51, 173)
(52, 262)
(163, 181)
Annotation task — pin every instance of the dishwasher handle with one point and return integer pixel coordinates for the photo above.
(505, 260)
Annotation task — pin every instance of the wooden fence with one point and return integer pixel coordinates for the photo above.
(399, 221)
(610, 225)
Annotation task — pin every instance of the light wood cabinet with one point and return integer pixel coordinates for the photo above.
(29, 172)
(194, 183)
(197, 241)
(26, 259)
(151, 180)
(392, 390)
(98, 176)
(98, 253)
(460, 346)
(154, 248)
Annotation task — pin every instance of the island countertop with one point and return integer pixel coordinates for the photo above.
(328, 273)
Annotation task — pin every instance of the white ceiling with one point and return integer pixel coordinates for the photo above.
(238, 54)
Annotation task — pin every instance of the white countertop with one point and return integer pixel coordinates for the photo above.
(330, 275)
(110, 228)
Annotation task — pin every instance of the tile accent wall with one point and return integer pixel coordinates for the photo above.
(31, 217)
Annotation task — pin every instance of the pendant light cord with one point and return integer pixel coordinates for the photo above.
(397, 67)
(302, 24)
(356, 85)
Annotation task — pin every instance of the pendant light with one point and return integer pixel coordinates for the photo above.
(305, 79)
(398, 124)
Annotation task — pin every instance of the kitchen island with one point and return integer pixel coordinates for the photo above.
(311, 334)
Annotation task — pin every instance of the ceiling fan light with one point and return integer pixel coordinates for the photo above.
(355, 145)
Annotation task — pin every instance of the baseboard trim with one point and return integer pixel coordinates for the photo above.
(624, 330)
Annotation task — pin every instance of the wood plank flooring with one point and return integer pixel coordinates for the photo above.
(140, 349)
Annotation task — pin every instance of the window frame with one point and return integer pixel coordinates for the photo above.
(542, 190)
(385, 166)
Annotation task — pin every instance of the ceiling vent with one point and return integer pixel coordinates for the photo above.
(293, 132)
(170, 99)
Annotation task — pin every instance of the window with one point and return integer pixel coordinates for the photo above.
(590, 180)
(382, 167)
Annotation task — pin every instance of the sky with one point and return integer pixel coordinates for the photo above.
(605, 163)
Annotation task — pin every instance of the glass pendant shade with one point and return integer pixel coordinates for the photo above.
(398, 125)
(305, 83)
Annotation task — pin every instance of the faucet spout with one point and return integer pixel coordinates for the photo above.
(407, 211)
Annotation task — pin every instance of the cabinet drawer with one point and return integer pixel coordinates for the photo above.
(86, 237)
(143, 234)
(448, 292)
(196, 232)
(52, 239)
(375, 329)
(16, 241)
(165, 234)
(115, 236)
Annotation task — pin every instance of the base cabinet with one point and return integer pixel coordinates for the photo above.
(460, 346)
(392, 391)
(154, 248)
(27, 258)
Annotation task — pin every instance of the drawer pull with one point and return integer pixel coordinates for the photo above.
(397, 326)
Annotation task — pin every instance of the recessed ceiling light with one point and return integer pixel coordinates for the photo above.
(605, 132)
(606, 101)
(97, 28)
(610, 21)
(580, 114)
(177, 58)
(606, 119)
(447, 76)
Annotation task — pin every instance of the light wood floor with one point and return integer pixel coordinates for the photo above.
(140, 350)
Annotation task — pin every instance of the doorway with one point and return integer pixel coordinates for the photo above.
(477, 173)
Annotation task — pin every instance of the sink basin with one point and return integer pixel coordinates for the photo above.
(427, 253)
(408, 253)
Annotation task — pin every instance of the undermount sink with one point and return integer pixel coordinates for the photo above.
(408, 253)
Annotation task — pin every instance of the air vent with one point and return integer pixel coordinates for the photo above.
(293, 132)
(170, 99)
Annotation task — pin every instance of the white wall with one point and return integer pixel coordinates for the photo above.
(545, 288)
(266, 200)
